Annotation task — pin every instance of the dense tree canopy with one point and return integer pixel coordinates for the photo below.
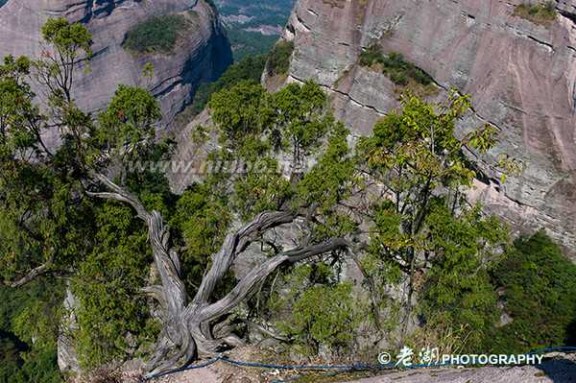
(538, 288)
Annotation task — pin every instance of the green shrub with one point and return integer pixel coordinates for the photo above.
(107, 287)
(314, 309)
(279, 58)
(458, 298)
(539, 293)
(399, 78)
(400, 71)
(324, 315)
(39, 366)
(371, 55)
(247, 69)
(158, 34)
(541, 13)
(31, 312)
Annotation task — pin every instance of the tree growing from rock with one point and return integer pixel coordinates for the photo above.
(46, 195)
(422, 174)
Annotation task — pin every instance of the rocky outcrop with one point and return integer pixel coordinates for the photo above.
(67, 356)
(521, 75)
(552, 371)
(201, 55)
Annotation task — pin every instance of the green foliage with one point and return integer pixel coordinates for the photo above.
(238, 113)
(317, 310)
(427, 224)
(28, 313)
(543, 13)
(256, 127)
(299, 116)
(248, 69)
(457, 294)
(18, 115)
(538, 286)
(201, 220)
(328, 183)
(394, 66)
(10, 360)
(43, 209)
(55, 70)
(293, 119)
(126, 127)
(156, 35)
(38, 366)
(68, 39)
(40, 221)
(107, 286)
(325, 315)
(279, 58)
(263, 188)
(413, 153)
(15, 102)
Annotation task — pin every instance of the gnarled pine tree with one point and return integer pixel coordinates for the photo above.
(44, 193)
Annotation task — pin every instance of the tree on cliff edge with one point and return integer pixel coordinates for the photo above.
(46, 195)
(43, 188)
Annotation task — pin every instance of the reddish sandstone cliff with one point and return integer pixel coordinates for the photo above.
(521, 76)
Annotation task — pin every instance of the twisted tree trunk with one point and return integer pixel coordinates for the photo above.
(187, 323)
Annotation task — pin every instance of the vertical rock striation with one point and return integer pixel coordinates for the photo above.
(521, 75)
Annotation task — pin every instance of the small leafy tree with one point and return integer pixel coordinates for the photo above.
(458, 301)
(279, 58)
(68, 43)
(107, 286)
(422, 173)
(325, 315)
(313, 308)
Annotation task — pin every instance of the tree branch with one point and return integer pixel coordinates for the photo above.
(32, 274)
(234, 244)
(260, 273)
(166, 261)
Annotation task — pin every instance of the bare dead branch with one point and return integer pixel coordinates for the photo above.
(234, 244)
(167, 264)
(245, 287)
(32, 274)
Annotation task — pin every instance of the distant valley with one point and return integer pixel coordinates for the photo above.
(253, 26)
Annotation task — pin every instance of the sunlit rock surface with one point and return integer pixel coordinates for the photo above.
(521, 77)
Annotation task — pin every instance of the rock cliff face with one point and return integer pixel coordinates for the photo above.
(199, 56)
(521, 76)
